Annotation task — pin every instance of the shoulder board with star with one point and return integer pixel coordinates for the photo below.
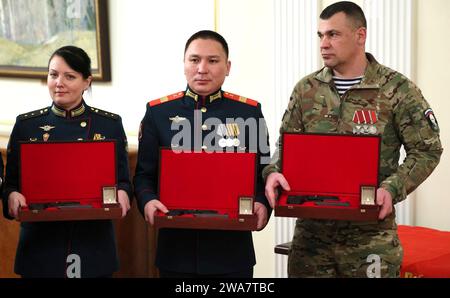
(239, 98)
(34, 114)
(104, 113)
(165, 99)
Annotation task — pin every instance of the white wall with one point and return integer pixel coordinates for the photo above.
(433, 76)
(248, 28)
(147, 41)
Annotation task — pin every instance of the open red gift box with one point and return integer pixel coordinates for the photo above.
(330, 176)
(69, 181)
(207, 190)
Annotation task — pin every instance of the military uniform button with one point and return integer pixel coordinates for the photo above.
(83, 124)
(204, 147)
(204, 110)
(204, 127)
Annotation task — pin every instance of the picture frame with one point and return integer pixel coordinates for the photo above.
(29, 36)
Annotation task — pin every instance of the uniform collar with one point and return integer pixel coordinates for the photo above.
(326, 74)
(208, 99)
(78, 111)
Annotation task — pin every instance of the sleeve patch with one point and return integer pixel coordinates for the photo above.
(432, 121)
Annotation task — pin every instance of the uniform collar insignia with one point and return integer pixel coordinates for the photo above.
(73, 113)
(210, 98)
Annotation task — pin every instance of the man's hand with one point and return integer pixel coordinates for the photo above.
(150, 209)
(15, 201)
(384, 199)
(273, 181)
(124, 202)
(261, 215)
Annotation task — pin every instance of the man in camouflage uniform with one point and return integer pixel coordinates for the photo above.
(398, 113)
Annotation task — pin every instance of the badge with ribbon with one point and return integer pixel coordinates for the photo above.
(365, 121)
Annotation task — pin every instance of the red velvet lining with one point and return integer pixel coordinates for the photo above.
(334, 165)
(206, 181)
(65, 172)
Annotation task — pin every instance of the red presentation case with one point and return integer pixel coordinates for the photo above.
(343, 168)
(220, 184)
(69, 181)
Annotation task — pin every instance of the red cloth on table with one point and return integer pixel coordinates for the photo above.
(426, 252)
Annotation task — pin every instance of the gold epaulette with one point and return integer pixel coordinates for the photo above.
(168, 98)
(34, 114)
(239, 98)
(104, 113)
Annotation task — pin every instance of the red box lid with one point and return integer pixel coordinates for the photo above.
(205, 180)
(330, 164)
(67, 171)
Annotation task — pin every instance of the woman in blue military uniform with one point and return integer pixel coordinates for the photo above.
(47, 249)
(201, 253)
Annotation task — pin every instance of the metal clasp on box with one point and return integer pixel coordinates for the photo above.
(368, 195)
(245, 206)
(109, 195)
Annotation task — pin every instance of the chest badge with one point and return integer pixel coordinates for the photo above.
(229, 133)
(177, 119)
(47, 128)
(45, 137)
(365, 121)
(98, 137)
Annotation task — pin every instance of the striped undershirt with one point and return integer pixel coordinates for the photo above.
(343, 85)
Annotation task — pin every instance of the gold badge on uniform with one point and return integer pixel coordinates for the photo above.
(365, 121)
(98, 137)
(45, 137)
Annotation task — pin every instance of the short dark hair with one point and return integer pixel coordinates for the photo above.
(208, 34)
(351, 10)
(76, 58)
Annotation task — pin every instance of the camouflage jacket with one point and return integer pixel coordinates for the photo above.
(401, 117)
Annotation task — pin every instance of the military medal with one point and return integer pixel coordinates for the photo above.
(222, 143)
(45, 137)
(365, 120)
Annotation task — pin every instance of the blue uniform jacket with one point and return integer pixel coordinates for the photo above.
(44, 246)
(188, 250)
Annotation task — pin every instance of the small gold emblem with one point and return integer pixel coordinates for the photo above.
(45, 137)
(98, 137)
(83, 124)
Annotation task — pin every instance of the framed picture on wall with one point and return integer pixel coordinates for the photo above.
(31, 30)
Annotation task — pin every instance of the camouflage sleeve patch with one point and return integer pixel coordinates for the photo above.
(168, 98)
(429, 115)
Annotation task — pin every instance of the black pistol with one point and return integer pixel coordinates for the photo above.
(298, 200)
